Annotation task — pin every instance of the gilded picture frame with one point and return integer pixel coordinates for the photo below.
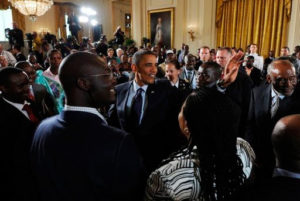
(161, 27)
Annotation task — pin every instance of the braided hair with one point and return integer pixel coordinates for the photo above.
(213, 120)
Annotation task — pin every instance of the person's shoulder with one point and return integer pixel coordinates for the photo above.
(123, 86)
(262, 88)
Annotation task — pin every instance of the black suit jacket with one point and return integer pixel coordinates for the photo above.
(239, 91)
(16, 136)
(20, 57)
(158, 134)
(76, 156)
(260, 124)
(274, 189)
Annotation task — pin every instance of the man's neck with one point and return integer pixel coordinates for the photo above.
(53, 70)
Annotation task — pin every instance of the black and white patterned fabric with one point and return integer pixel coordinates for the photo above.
(178, 180)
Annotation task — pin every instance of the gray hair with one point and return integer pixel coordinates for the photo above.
(271, 66)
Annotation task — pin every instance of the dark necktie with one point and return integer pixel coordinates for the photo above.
(137, 106)
(189, 75)
(30, 113)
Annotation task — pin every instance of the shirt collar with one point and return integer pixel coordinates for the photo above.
(176, 84)
(278, 172)
(136, 86)
(276, 93)
(19, 106)
(85, 109)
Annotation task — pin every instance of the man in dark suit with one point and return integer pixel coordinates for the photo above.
(148, 109)
(16, 51)
(38, 93)
(239, 91)
(76, 155)
(285, 182)
(16, 36)
(18, 120)
(270, 101)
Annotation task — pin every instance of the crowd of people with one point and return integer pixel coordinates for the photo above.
(92, 122)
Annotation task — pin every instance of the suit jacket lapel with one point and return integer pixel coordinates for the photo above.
(151, 97)
(121, 103)
(266, 99)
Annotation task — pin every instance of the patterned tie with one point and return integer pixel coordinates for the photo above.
(137, 106)
(275, 105)
(30, 113)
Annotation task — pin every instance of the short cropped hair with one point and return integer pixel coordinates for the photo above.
(139, 55)
(173, 62)
(6, 73)
(228, 49)
(52, 52)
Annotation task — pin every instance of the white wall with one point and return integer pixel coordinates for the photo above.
(200, 14)
(44, 23)
(294, 31)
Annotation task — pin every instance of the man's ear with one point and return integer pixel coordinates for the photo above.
(3, 88)
(133, 68)
(83, 84)
(268, 78)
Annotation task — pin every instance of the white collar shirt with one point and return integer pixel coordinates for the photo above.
(85, 109)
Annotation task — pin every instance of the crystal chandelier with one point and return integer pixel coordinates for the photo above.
(32, 8)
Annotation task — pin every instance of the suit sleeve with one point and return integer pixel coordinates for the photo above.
(250, 127)
(113, 119)
(129, 177)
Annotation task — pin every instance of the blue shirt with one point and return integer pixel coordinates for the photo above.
(133, 89)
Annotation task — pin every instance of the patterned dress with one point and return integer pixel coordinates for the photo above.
(178, 179)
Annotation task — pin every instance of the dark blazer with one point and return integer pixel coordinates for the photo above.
(76, 156)
(239, 91)
(260, 124)
(274, 189)
(16, 136)
(158, 134)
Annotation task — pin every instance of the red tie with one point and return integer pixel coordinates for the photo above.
(32, 117)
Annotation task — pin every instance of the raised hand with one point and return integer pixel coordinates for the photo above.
(231, 69)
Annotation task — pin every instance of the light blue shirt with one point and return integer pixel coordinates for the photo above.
(133, 89)
(278, 172)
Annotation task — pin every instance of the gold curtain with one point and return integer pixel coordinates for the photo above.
(62, 9)
(264, 22)
(16, 15)
(19, 19)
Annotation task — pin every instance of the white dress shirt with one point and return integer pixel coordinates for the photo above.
(85, 109)
(19, 106)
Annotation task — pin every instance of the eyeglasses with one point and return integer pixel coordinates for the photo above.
(292, 79)
(99, 75)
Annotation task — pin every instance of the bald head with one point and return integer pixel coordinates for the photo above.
(286, 143)
(86, 80)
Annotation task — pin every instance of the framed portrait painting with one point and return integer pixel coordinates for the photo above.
(161, 27)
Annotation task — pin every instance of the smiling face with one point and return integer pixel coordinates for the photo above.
(101, 87)
(145, 71)
(172, 73)
(283, 77)
(17, 89)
